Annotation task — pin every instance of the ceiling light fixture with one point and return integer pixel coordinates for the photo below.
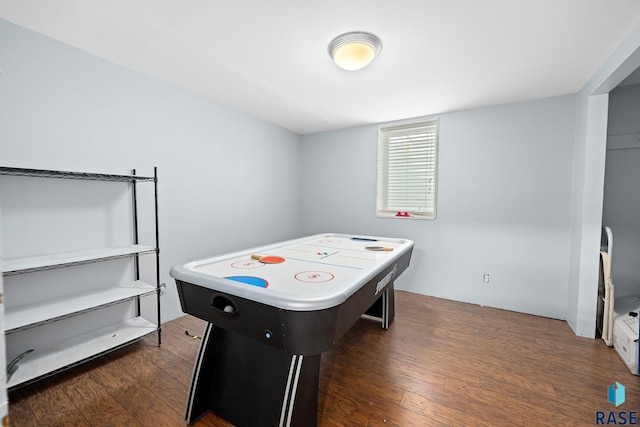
(355, 50)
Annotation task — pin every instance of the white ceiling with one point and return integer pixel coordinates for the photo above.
(269, 59)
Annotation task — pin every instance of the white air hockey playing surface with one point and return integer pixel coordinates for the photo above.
(318, 272)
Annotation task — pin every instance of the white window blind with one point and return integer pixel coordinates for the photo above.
(407, 160)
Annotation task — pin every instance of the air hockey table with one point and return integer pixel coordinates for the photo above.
(272, 311)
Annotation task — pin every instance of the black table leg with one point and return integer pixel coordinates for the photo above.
(384, 307)
(251, 384)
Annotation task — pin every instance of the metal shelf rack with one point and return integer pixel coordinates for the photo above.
(41, 362)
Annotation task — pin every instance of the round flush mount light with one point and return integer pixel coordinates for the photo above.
(355, 50)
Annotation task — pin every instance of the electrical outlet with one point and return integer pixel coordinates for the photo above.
(486, 278)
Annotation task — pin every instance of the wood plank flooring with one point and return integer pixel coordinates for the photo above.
(442, 363)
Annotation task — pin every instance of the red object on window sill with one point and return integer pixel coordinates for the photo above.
(402, 213)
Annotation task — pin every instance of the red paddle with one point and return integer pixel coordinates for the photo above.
(269, 259)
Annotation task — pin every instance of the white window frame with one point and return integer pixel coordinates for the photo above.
(407, 168)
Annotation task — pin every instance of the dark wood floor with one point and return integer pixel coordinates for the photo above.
(441, 363)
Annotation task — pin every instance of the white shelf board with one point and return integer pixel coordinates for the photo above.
(46, 311)
(68, 353)
(42, 262)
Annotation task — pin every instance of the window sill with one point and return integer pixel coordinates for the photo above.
(405, 215)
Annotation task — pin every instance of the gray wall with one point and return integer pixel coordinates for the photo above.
(504, 204)
(223, 185)
(227, 181)
(621, 209)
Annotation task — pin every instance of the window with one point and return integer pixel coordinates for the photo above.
(407, 168)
